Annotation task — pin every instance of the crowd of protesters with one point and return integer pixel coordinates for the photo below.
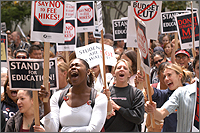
(83, 104)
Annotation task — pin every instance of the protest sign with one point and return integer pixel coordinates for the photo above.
(70, 9)
(119, 29)
(4, 47)
(27, 74)
(70, 36)
(97, 34)
(184, 26)
(131, 34)
(99, 16)
(142, 44)
(47, 21)
(92, 54)
(85, 16)
(3, 26)
(149, 12)
(168, 22)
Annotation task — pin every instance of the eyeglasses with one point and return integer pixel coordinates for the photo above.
(21, 57)
(179, 57)
(158, 61)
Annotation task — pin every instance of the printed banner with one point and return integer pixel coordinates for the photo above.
(184, 26)
(168, 22)
(142, 45)
(119, 29)
(92, 54)
(47, 21)
(70, 36)
(85, 16)
(149, 12)
(27, 74)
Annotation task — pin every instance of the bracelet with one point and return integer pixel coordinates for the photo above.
(109, 99)
(108, 113)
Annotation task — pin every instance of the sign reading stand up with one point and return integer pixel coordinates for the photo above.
(47, 21)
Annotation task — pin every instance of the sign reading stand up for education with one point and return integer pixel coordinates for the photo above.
(184, 26)
(168, 22)
(119, 29)
(47, 21)
(27, 74)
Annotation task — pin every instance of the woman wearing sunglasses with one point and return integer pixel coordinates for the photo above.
(21, 54)
(158, 57)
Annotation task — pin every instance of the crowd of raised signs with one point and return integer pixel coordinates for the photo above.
(121, 107)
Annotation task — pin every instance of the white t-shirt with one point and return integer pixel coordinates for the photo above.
(78, 119)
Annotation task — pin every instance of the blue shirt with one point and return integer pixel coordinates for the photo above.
(160, 97)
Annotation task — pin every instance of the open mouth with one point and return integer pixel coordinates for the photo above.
(74, 74)
(169, 84)
(121, 75)
(13, 93)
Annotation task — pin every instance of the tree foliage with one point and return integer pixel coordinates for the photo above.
(15, 12)
(174, 5)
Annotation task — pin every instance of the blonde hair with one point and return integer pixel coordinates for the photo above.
(105, 40)
(126, 62)
(63, 66)
(180, 70)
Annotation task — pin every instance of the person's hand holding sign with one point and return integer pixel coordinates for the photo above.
(43, 93)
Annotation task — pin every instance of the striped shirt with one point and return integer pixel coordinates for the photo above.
(184, 100)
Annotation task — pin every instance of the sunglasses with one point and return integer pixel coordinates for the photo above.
(21, 57)
(158, 61)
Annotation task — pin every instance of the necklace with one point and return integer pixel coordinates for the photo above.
(27, 123)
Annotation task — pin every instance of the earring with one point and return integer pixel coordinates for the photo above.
(88, 79)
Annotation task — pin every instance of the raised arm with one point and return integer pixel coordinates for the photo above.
(159, 113)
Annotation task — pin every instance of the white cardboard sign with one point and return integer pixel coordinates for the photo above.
(70, 9)
(149, 12)
(131, 31)
(92, 54)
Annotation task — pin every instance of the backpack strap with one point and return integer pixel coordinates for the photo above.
(93, 96)
(63, 93)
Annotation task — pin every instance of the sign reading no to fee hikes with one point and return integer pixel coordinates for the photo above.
(47, 21)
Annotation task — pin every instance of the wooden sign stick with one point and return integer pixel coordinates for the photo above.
(86, 38)
(193, 32)
(36, 108)
(46, 68)
(140, 85)
(176, 41)
(67, 56)
(147, 80)
(103, 57)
